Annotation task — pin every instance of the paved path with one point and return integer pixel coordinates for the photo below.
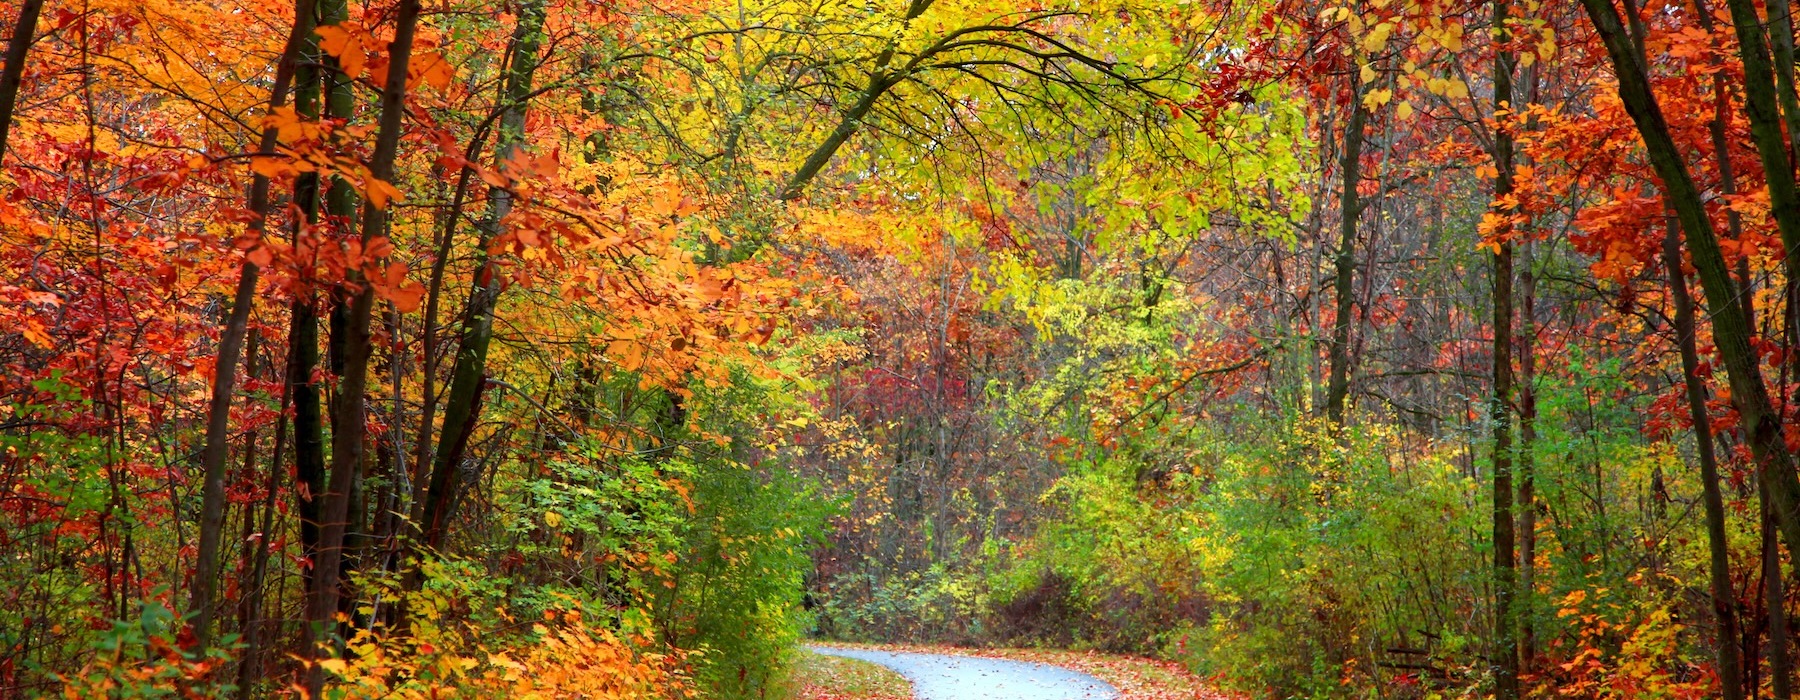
(946, 677)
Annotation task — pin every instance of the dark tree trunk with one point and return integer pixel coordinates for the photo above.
(13, 72)
(1781, 44)
(1734, 222)
(231, 343)
(252, 604)
(428, 335)
(1761, 99)
(348, 435)
(1350, 210)
(303, 323)
(1527, 472)
(462, 405)
(1724, 600)
(1505, 648)
(1781, 664)
(1731, 332)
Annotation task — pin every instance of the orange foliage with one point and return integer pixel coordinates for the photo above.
(565, 658)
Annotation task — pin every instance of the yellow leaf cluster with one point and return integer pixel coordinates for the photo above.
(565, 657)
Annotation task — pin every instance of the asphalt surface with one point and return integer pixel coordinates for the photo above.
(946, 677)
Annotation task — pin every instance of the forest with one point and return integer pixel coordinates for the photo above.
(1398, 349)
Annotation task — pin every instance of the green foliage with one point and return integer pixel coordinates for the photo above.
(745, 527)
(143, 659)
(624, 512)
(937, 603)
(1111, 570)
(1331, 549)
(737, 579)
(697, 536)
(61, 496)
(1295, 560)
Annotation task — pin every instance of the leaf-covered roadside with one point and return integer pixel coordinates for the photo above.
(821, 677)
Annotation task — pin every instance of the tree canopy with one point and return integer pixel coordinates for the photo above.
(606, 348)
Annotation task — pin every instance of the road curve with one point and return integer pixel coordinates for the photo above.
(948, 677)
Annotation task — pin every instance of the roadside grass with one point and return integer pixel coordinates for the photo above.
(821, 677)
(1136, 678)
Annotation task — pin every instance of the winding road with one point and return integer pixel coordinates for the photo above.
(947, 677)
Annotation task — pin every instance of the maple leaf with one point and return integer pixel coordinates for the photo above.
(430, 68)
(380, 192)
(260, 256)
(344, 42)
(272, 167)
(33, 330)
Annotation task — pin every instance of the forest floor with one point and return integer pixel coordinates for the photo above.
(1133, 678)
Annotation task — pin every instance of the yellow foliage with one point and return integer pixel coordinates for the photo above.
(565, 658)
(1630, 657)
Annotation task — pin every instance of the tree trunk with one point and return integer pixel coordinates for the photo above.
(303, 313)
(1527, 474)
(348, 435)
(1781, 664)
(1760, 106)
(1350, 208)
(249, 587)
(462, 404)
(14, 70)
(1734, 222)
(1731, 625)
(1724, 600)
(428, 336)
(252, 619)
(1505, 655)
(340, 205)
(231, 343)
(397, 492)
(1781, 44)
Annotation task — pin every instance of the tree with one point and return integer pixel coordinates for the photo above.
(1731, 333)
(1724, 600)
(231, 339)
(14, 69)
(468, 375)
(348, 434)
(1350, 209)
(1506, 618)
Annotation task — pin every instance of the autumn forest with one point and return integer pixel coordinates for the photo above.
(1399, 349)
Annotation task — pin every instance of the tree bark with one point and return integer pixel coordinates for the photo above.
(1527, 466)
(1781, 664)
(1734, 222)
(1731, 625)
(14, 71)
(1781, 45)
(231, 343)
(348, 435)
(15, 65)
(1760, 106)
(252, 603)
(303, 312)
(428, 337)
(1505, 655)
(1350, 207)
(1724, 600)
